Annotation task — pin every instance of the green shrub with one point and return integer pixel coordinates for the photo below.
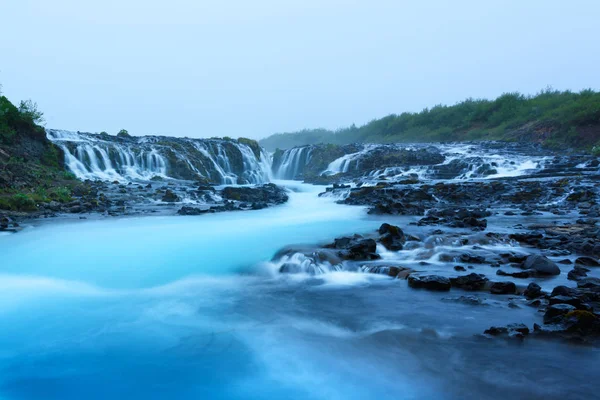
(22, 202)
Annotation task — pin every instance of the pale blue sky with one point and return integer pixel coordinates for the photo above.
(252, 68)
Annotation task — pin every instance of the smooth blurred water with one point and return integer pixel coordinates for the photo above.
(179, 308)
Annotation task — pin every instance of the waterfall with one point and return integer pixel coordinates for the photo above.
(105, 157)
(293, 162)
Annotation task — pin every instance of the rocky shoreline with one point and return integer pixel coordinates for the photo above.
(526, 241)
(98, 199)
(567, 312)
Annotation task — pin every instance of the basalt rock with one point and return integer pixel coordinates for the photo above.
(503, 288)
(429, 282)
(392, 237)
(469, 282)
(355, 248)
(533, 291)
(542, 265)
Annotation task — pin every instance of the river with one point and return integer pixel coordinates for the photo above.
(189, 307)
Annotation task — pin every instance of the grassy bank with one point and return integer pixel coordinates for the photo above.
(31, 167)
(552, 118)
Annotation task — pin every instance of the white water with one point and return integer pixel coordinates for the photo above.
(183, 308)
(98, 158)
(506, 163)
(293, 162)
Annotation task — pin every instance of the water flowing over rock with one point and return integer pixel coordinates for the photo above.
(291, 163)
(105, 157)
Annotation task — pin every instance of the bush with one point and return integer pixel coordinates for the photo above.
(123, 134)
(22, 202)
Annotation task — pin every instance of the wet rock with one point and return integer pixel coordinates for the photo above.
(470, 300)
(554, 312)
(355, 248)
(469, 282)
(429, 282)
(170, 197)
(186, 210)
(573, 301)
(459, 268)
(503, 288)
(533, 291)
(393, 271)
(589, 283)
(269, 193)
(518, 274)
(392, 237)
(587, 262)
(542, 265)
(577, 273)
(516, 331)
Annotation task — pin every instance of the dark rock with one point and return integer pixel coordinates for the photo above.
(469, 282)
(587, 262)
(557, 310)
(470, 300)
(503, 288)
(577, 273)
(459, 268)
(392, 237)
(518, 274)
(574, 301)
(533, 291)
(542, 265)
(355, 248)
(170, 197)
(429, 282)
(186, 210)
(269, 193)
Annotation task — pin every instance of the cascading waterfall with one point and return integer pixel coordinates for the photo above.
(293, 162)
(104, 157)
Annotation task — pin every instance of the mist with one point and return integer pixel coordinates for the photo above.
(203, 69)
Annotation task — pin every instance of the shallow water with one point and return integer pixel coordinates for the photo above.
(183, 307)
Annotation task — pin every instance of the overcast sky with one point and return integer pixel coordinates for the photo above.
(251, 68)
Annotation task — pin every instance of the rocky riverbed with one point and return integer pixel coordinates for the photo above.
(96, 199)
(528, 237)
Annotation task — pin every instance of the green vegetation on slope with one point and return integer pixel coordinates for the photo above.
(551, 118)
(31, 167)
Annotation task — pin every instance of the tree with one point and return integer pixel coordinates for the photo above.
(123, 133)
(29, 110)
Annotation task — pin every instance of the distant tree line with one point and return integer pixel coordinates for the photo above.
(551, 117)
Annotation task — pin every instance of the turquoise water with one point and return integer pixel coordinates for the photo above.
(183, 308)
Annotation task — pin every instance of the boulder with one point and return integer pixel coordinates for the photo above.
(555, 311)
(392, 237)
(355, 248)
(533, 291)
(541, 264)
(587, 262)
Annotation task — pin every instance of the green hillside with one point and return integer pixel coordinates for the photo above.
(552, 118)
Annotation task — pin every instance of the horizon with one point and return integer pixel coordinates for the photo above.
(200, 70)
